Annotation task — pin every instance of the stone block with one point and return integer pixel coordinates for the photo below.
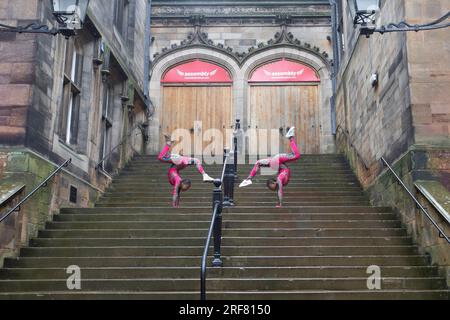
(15, 95)
(421, 114)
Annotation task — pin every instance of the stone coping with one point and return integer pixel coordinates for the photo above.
(8, 192)
(437, 195)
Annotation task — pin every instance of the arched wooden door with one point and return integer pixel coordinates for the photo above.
(197, 98)
(285, 94)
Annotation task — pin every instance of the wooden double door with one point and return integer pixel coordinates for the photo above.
(199, 117)
(279, 107)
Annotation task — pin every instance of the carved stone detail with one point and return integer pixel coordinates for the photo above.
(281, 39)
(161, 11)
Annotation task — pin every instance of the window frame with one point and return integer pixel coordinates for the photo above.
(71, 93)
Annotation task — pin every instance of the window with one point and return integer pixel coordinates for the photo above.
(73, 67)
(121, 16)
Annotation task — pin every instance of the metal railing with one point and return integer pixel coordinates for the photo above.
(43, 184)
(220, 199)
(418, 204)
(216, 227)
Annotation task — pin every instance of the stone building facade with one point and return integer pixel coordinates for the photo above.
(62, 99)
(404, 118)
(241, 36)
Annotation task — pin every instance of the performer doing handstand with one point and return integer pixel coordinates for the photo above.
(277, 162)
(179, 163)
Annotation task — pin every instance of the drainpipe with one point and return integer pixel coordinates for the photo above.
(336, 61)
(147, 44)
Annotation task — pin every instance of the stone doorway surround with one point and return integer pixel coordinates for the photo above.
(240, 69)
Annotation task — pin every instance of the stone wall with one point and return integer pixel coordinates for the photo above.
(28, 168)
(16, 70)
(416, 164)
(404, 118)
(233, 34)
(377, 118)
(429, 69)
(31, 86)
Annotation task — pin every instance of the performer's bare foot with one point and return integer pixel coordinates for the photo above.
(279, 205)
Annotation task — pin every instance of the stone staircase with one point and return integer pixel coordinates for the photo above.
(133, 245)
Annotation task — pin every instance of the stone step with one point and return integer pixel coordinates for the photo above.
(242, 192)
(226, 251)
(226, 272)
(344, 179)
(224, 284)
(269, 202)
(229, 261)
(227, 224)
(194, 174)
(227, 241)
(304, 185)
(196, 188)
(242, 199)
(240, 209)
(202, 232)
(236, 295)
(146, 217)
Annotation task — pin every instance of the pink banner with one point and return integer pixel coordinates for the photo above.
(284, 71)
(197, 72)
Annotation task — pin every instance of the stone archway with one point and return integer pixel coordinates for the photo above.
(323, 69)
(240, 65)
(167, 62)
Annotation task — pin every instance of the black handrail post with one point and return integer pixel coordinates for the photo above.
(231, 185)
(238, 127)
(217, 201)
(226, 180)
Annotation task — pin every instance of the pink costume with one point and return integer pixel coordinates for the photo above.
(278, 162)
(178, 163)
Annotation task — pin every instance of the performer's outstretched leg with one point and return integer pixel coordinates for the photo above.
(289, 157)
(179, 161)
(200, 169)
(165, 155)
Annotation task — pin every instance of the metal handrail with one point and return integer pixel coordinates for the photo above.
(41, 185)
(205, 253)
(140, 126)
(224, 167)
(441, 232)
(217, 198)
